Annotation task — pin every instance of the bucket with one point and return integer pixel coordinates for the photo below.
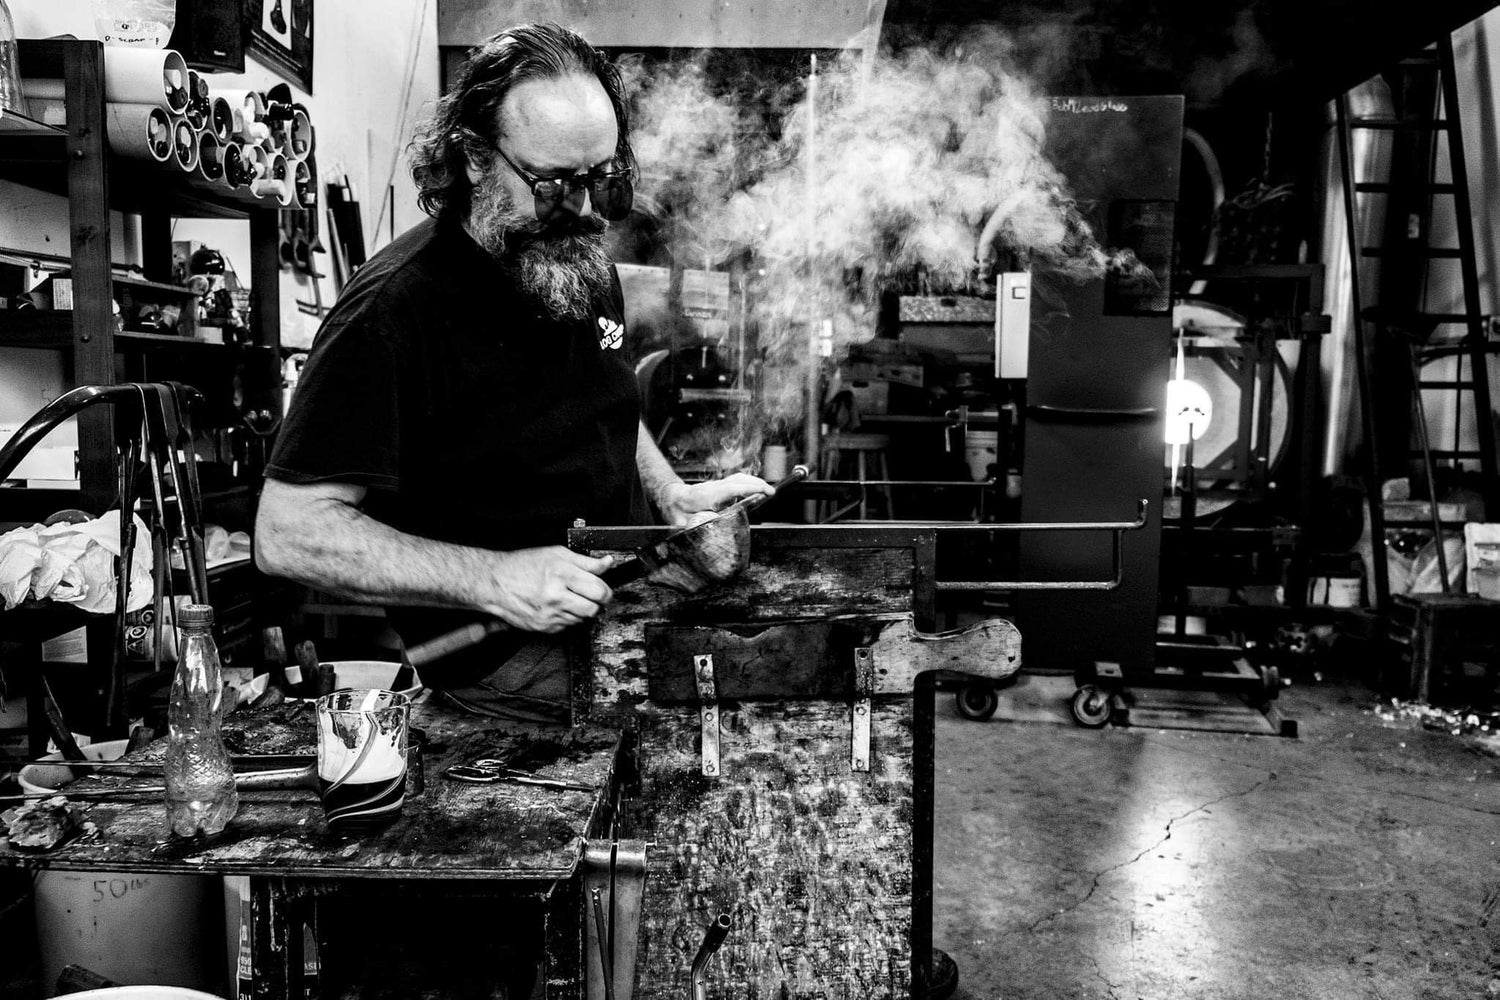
(130, 927)
(362, 674)
(144, 993)
(981, 450)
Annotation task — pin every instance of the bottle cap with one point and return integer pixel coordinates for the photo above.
(195, 614)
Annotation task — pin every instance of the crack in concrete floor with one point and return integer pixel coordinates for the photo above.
(1099, 975)
(1166, 836)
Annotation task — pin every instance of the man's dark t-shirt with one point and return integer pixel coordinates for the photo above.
(468, 415)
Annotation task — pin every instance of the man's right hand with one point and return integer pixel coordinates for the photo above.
(546, 589)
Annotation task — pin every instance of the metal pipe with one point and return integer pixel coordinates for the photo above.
(812, 432)
(43, 421)
(712, 939)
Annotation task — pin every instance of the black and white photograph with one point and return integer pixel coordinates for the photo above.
(281, 35)
(749, 500)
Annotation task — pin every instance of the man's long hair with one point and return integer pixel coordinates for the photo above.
(463, 127)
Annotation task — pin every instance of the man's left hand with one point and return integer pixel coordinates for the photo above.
(683, 505)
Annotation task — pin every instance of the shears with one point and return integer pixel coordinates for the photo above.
(488, 771)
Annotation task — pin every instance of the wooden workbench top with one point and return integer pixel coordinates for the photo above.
(450, 831)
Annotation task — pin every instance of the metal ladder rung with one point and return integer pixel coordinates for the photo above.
(1397, 124)
(1409, 317)
(1449, 350)
(1437, 253)
(1466, 384)
(1384, 187)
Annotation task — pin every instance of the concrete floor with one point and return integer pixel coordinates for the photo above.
(1358, 861)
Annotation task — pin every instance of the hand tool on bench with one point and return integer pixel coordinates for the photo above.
(487, 771)
(689, 559)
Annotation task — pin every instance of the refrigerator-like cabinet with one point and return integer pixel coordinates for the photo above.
(1096, 388)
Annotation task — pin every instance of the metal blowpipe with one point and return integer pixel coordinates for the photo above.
(712, 939)
(283, 778)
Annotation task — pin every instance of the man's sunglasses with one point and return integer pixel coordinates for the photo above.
(610, 191)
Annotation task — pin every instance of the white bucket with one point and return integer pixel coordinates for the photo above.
(981, 450)
(362, 674)
(144, 993)
(126, 926)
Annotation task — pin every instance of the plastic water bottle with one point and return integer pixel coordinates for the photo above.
(201, 797)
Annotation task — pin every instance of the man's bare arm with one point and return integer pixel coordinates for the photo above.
(316, 534)
(678, 502)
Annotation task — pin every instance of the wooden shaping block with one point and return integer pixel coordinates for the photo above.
(815, 659)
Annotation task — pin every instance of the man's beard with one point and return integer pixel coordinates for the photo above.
(561, 263)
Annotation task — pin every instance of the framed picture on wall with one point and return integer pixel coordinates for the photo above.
(281, 37)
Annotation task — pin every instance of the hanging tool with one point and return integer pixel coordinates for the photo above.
(689, 559)
(620, 867)
(601, 932)
(128, 446)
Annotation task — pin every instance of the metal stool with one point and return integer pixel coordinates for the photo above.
(846, 452)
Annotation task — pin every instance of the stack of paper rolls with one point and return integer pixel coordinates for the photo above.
(232, 141)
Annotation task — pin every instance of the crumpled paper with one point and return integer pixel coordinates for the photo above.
(74, 564)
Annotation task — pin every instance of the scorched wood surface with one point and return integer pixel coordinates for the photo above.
(812, 861)
(815, 862)
(451, 830)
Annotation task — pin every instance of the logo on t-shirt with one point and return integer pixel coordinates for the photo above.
(611, 334)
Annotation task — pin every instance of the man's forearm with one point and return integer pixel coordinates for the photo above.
(657, 476)
(332, 546)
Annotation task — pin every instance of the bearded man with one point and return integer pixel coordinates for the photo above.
(469, 395)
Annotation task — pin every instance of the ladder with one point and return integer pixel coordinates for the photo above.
(1396, 311)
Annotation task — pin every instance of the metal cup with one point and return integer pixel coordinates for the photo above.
(362, 756)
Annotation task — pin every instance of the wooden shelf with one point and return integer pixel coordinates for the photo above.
(25, 140)
(164, 341)
(54, 329)
(36, 328)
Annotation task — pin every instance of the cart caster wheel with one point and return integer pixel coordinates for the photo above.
(976, 701)
(1270, 684)
(943, 975)
(1091, 706)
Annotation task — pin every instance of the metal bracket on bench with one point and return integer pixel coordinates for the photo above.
(708, 698)
(859, 712)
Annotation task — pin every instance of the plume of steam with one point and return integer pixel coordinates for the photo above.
(910, 158)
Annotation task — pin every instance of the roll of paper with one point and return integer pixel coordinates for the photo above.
(198, 105)
(42, 88)
(146, 76)
(249, 107)
(304, 187)
(298, 138)
(210, 172)
(221, 119)
(277, 183)
(257, 161)
(141, 131)
(185, 145)
(237, 171)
